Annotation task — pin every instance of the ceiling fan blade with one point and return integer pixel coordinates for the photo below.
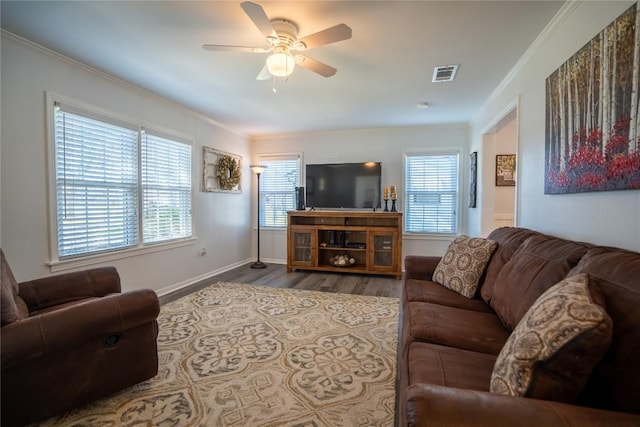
(264, 74)
(330, 35)
(315, 66)
(228, 48)
(256, 13)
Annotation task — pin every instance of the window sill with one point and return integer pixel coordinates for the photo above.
(429, 236)
(85, 261)
(270, 229)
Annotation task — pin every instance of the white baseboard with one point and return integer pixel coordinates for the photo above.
(192, 281)
(503, 220)
(177, 286)
(274, 261)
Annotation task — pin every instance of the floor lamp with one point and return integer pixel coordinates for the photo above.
(258, 169)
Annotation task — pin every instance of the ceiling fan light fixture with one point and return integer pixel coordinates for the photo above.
(281, 64)
(282, 39)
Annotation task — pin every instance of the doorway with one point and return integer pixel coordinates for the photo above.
(499, 202)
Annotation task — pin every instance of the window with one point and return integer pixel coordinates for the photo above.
(277, 189)
(166, 189)
(101, 181)
(431, 199)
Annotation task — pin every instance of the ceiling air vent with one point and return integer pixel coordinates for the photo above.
(444, 73)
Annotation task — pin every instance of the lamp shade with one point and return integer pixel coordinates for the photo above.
(280, 64)
(258, 169)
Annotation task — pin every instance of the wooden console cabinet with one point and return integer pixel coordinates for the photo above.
(372, 239)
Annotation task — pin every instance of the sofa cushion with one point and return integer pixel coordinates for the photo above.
(12, 306)
(449, 366)
(539, 263)
(553, 349)
(455, 327)
(463, 264)
(428, 291)
(420, 267)
(617, 274)
(509, 240)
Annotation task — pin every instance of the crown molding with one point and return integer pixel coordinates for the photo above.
(116, 80)
(549, 30)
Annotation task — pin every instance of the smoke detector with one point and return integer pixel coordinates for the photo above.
(444, 73)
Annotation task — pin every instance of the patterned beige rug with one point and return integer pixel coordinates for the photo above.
(243, 355)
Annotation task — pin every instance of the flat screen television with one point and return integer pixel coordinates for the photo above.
(344, 185)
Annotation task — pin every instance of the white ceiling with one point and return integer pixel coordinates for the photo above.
(383, 70)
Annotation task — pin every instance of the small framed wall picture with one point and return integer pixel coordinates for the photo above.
(505, 170)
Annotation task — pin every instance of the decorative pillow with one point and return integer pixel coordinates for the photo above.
(462, 266)
(551, 352)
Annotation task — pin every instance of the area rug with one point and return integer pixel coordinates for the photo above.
(243, 355)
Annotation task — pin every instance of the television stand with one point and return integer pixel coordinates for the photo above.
(345, 242)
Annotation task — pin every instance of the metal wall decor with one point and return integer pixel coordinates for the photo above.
(221, 171)
(473, 179)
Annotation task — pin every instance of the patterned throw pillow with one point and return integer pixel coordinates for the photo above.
(551, 352)
(461, 267)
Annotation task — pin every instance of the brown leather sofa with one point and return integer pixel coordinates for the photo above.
(449, 343)
(70, 339)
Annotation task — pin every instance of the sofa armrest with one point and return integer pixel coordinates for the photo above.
(62, 288)
(432, 405)
(420, 267)
(75, 325)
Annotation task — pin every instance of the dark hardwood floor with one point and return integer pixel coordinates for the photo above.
(275, 275)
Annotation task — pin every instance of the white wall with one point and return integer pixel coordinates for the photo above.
(386, 145)
(610, 218)
(221, 221)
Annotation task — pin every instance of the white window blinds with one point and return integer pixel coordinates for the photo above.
(117, 186)
(431, 201)
(277, 189)
(166, 189)
(96, 184)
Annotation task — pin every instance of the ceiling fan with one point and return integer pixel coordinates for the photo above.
(283, 43)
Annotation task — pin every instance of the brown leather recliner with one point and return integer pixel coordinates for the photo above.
(70, 339)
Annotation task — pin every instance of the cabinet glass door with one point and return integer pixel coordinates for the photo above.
(383, 253)
(303, 244)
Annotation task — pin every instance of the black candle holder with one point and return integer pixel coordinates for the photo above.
(393, 205)
(386, 208)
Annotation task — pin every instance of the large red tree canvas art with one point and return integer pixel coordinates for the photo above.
(592, 113)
